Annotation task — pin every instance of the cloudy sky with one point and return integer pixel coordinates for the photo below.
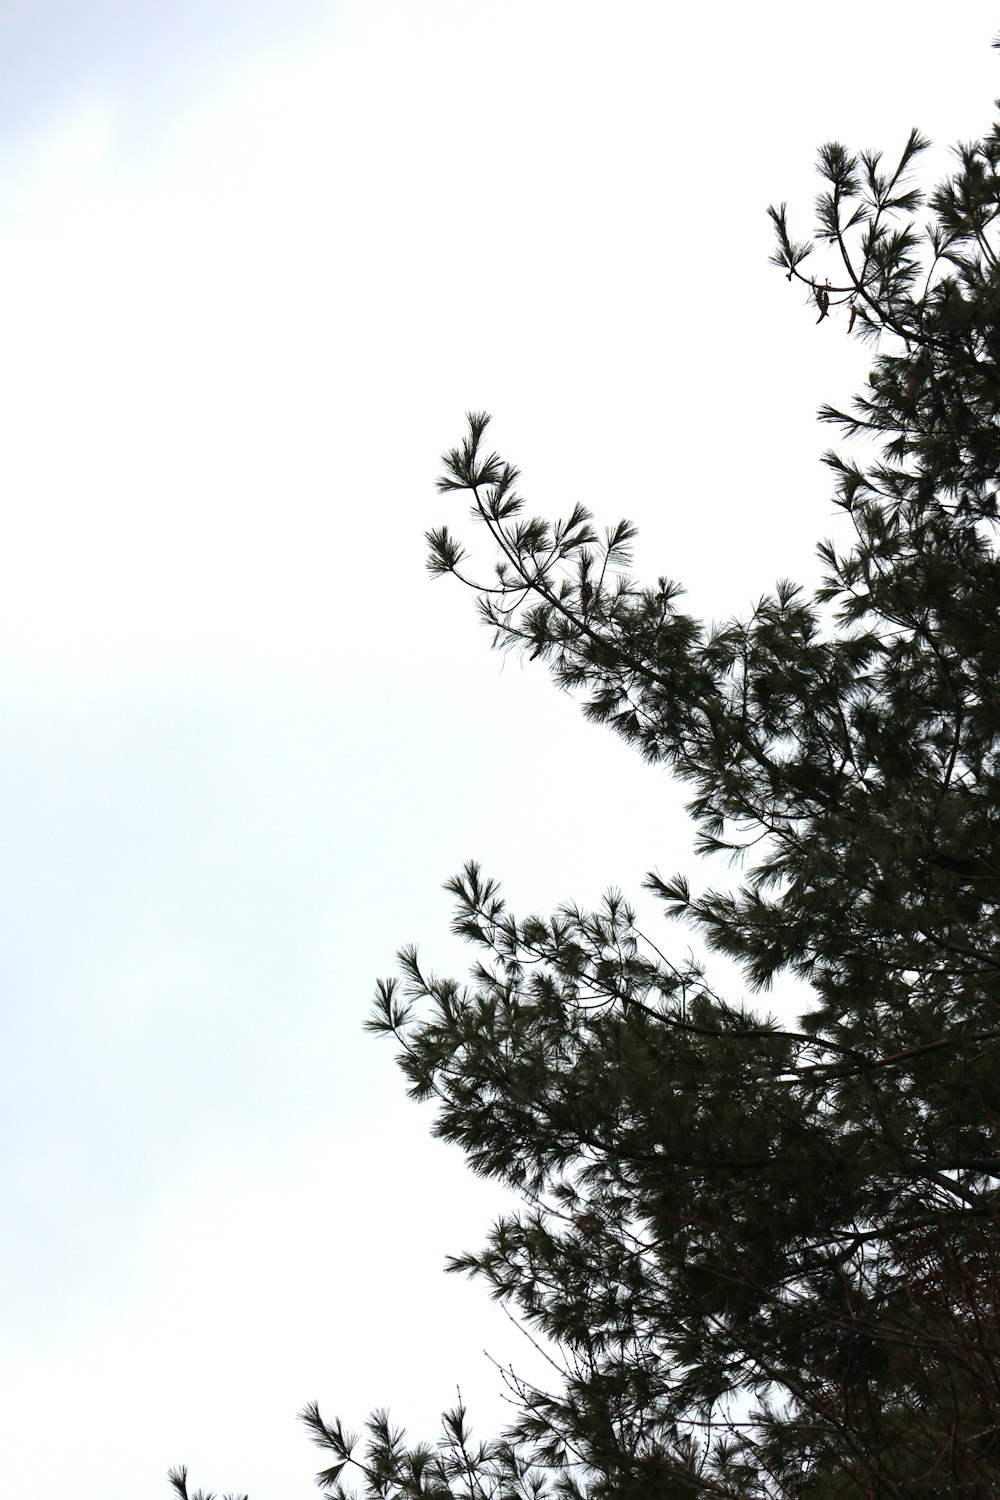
(258, 259)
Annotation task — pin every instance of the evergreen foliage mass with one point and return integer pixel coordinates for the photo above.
(766, 1259)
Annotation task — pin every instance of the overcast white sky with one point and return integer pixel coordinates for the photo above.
(257, 259)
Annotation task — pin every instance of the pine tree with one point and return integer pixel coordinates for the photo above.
(767, 1258)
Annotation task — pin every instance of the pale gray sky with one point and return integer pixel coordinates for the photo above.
(257, 261)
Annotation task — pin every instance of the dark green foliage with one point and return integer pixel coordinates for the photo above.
(455, 1467)
(766, 1259)
(178, 1481)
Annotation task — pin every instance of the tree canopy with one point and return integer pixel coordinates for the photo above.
(765, 1259)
